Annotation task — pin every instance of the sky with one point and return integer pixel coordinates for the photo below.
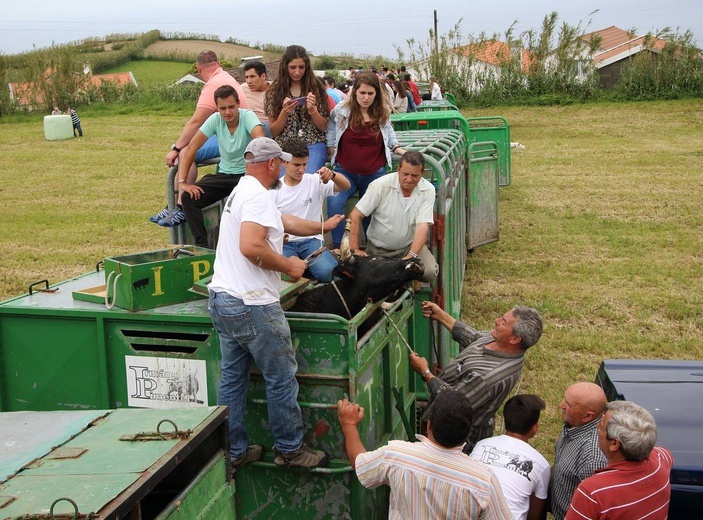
(355, 27)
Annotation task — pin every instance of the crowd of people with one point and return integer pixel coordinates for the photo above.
(273, 173)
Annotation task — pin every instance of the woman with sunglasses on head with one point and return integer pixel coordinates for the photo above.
(297, 106)
(360, 140)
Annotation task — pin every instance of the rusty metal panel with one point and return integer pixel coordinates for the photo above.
(483, 226)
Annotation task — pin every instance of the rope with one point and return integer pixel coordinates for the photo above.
(109, 305)
(398, 331)
(334, 284)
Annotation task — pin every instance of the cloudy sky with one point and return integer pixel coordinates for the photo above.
(356, 27)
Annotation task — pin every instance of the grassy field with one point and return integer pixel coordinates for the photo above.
(150, 73)
(600, 228)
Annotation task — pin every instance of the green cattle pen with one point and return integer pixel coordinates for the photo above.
(83, 345)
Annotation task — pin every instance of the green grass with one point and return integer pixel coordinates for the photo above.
(600, 228)
(152, 73)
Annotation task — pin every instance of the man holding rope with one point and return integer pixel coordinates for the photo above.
(302, 195)
(488, 366)
(246, 311)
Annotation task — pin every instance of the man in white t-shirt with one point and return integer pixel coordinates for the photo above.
(246, 312)
(302, 195)
(522, 471)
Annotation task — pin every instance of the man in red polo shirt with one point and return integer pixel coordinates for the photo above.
(635, 483)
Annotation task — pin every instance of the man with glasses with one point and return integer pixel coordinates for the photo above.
(635, 484)
(577, 455)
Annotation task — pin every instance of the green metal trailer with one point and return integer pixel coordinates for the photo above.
(61, 352)
(105, 464)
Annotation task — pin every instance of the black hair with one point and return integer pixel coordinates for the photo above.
(521, 413)
(413, 158)
(226, 91)
(258, 66)
(450, 417)
(295, 147)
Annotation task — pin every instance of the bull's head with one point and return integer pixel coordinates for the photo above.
(345, 254)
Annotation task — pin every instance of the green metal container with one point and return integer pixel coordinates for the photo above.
(116, 464)
(62, 353)
(483, 129)
(442, 104)
(155, 278)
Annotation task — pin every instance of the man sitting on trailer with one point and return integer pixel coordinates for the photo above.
(401, 207)
(488, 366)
(302, 195)
(431, 478)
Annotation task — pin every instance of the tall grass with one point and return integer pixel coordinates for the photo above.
(552, 65)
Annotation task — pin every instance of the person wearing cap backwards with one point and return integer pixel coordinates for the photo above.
(246, 312)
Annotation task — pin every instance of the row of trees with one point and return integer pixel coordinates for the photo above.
(553, 65)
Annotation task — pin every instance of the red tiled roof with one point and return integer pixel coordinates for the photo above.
(616, 41)
(495, 53)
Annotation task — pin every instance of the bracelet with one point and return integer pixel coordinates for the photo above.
(414, 255)
(181, 180)
(395, 148)
(174, 148)
(425, 373)
(334, 174)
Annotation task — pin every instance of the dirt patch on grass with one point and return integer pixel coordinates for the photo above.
(189, 50)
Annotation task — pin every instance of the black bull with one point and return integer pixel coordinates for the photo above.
(360, 280)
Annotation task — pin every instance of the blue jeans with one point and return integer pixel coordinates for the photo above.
(317, 157)
(260, 333)
(321, 266)
(209, 150)
(337, 203)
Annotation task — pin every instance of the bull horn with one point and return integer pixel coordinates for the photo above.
(345, 253)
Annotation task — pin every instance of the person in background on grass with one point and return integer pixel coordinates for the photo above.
(211, 72)
(360, 139)
(332, 90)
(401, 208)
(435, 90)
(411, 100)
(489, 363)
(244, 304)
(415, 91)
(234, 127)
(56, 112)
(400, 101)
(522, 471)
(296, 105)
(577, 455)
(76, 121)
(431, 478)
(635, 483)
(254, 89)
(302, 196)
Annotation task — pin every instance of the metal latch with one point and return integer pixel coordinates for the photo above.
(158, 435)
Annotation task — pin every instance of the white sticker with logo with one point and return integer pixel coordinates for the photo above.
(157, 382)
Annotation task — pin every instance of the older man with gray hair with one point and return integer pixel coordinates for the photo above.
(488, 366)
(635, 483)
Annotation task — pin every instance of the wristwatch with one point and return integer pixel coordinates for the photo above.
(424, 374)
(175, 148)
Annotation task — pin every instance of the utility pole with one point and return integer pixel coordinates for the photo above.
(436, 45)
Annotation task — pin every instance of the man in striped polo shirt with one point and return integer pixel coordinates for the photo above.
(488, 366)
(635, 484)
(431, 478)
